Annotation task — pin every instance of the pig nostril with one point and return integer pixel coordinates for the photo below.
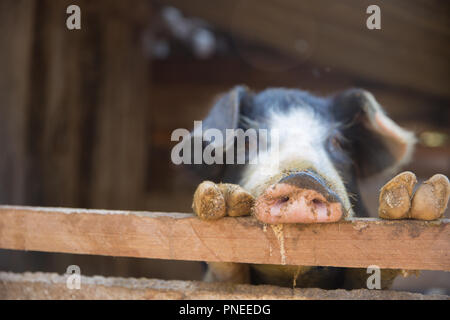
(281, 201)
(276, 208)
(320, 207)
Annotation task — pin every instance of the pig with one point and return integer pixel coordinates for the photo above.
(325, 146)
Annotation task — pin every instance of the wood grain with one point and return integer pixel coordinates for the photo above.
(177, 236)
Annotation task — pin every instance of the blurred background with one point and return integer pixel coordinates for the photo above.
(86, 115)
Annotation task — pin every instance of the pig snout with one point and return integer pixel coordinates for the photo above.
(301, 197)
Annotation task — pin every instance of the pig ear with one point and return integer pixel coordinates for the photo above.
(378, 144)
(224, 114)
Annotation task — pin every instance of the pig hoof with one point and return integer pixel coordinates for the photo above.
(212, 201)
(209, 202)
(395, 196)
(238, 201)
(431, 198)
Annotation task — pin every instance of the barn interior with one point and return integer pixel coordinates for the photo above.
(86, 115)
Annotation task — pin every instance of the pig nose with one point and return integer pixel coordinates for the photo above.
(301, 197)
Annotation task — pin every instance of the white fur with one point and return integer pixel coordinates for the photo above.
(301, 146)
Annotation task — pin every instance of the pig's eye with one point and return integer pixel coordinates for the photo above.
(337, 141)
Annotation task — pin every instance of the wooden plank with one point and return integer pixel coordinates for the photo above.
(409, 51)
(53, 286)
(177, 236)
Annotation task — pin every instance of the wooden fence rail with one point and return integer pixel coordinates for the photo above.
(177, 236)
(53, 286)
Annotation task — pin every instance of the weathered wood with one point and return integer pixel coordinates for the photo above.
(53, 286)
(409, 51)
(177, 236)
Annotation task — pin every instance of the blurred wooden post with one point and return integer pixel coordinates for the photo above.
(16, 34)
(73, 103)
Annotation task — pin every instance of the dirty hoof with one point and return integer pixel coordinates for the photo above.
(431, 198)
(213, 201)
(395, 196)
(209, 202)
(238, 201)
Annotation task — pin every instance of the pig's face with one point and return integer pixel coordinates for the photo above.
(308, 143)
(324, 145)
